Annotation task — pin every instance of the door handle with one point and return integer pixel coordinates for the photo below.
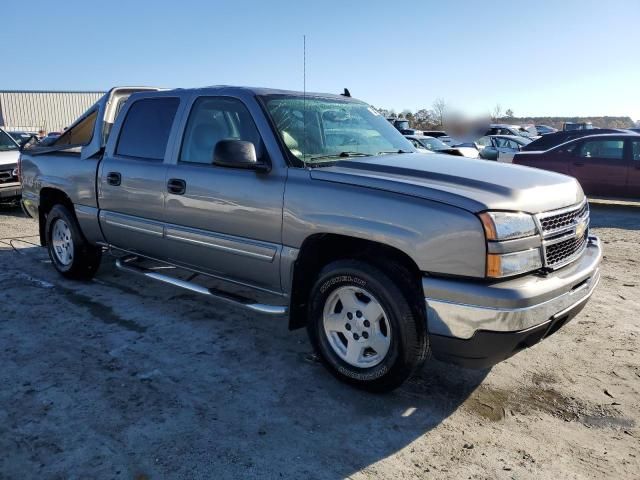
(579, 164)
(176, 186)
(114, 178)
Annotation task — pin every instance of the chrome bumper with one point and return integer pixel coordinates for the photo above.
(459, 309)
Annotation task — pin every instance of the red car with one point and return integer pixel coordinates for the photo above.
(605, 165)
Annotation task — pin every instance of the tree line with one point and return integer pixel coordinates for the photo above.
(436, 118)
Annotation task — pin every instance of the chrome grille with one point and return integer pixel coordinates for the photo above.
(565, 251)
(561, 220)
(564, 233)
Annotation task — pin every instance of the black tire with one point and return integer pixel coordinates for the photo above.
(85, 259)
(392, 288)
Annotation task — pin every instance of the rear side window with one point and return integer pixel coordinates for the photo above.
(609, 149)
(635, 150)
(145, 130)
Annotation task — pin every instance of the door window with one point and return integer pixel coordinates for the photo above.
(213, 119)
(635, 150)
(484, 141)
(145, 130)
(609, 149)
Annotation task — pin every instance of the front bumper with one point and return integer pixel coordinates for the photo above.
(10, 191)
(478, 324)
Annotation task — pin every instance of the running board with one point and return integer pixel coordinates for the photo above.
(125, 264)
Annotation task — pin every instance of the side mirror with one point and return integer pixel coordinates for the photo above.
(237, 154)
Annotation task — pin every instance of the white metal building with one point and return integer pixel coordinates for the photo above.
(40, 110)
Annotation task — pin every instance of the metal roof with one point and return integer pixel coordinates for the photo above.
(33, 110)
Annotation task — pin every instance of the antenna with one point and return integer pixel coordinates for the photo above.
(304, 94)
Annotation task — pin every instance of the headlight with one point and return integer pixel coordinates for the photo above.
(508, 264)
(507, 225)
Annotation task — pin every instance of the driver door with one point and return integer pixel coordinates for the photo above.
(224, 221)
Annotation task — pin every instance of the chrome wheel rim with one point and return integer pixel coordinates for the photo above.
(62, 242)
(357, 327)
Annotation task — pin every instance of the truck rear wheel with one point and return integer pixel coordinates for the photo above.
(366, 326)
(69, 251)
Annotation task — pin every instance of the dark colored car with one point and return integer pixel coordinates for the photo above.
(554, 139)
(570, 126)
(605, 165)
(22, 138)
(545, 129)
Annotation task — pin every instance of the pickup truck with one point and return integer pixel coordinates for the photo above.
(313, 206)
(9, 153)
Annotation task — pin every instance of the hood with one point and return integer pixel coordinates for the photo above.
(472, 184)
(9, 158)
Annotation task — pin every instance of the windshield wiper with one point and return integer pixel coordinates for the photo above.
(341, 155)
(393, 151)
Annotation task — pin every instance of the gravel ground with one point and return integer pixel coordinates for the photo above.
(122, 378)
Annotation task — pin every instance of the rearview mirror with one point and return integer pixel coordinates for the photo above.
(237, 154)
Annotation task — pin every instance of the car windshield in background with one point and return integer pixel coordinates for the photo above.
(318, 130)
(433, 144)
(6, 142)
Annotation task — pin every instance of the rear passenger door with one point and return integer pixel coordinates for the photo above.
(601, 167)
(633, 176)
(131, 183)
(226, 221)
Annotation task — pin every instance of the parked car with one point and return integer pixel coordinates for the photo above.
(433, 145)
(313, 205)
(502, 129)
(545, 129)
(9, 153)
(467, 149)
(501, 147)
(551, 140)
(570, 126)
(435, 133)
(22, 138)
(50, 139)
(605, 165)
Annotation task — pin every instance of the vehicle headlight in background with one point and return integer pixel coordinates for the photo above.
(508, 264)
(507, 225)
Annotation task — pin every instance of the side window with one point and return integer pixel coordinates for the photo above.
(610, 149)
(145, 130)
(635, 150)
(79, 134)
(213, 119)
(567, 150)
(484, 141)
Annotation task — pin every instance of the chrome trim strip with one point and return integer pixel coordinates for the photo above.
(131, 227)
(132, 223)
(512, 246)
(462, 321)
(562, 210)
(222, 242)
(125, 264)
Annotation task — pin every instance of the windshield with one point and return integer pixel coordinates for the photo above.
(318, 130)
(433, 143)
(6, 142)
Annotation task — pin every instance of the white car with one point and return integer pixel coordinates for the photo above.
(501, 147)
(9, 153)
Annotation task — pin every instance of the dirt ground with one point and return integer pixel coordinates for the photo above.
(122, 378)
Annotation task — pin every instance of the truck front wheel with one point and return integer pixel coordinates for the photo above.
(69, 251)
(366, 326)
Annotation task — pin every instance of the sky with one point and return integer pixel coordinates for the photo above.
(541, 57)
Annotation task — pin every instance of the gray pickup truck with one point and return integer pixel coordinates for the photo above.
(315, 207)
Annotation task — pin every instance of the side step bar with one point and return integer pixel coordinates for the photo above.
(125, 264)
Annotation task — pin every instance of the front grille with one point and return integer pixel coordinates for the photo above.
(565, 251)
(7, 176)
(565, 219)
(565, 233)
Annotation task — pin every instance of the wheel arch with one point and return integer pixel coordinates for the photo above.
(49, 197)
(320, 249)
